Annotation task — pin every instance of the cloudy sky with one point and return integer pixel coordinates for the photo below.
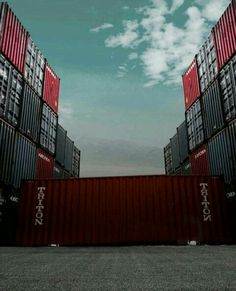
(120, 64)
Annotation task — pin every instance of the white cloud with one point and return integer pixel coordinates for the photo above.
(125, 8)
(102, 27)
(122, 71)
(132, 56)
(212, 9)
(175, 5)
(127, 39)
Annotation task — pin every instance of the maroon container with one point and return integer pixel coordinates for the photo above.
(191, 84)
(123, 210)
(45, 164)
(199, 161)
(51, 88)
(13, 37)
(225, 35)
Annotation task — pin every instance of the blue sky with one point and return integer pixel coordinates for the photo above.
(120, 64)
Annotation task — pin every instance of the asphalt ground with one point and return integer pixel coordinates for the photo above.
(118, 268)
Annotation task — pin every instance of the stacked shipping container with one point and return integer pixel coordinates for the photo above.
(209, 87)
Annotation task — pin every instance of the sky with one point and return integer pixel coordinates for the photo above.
(120, 63)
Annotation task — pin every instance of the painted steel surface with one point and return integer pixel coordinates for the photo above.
(122, 210)
(232, 140)
(13, 37)
(76, 162)
(225, 35)
(199, 161)
(44, 165)
(58, 171)
(31, 114)
(207, 64)
(168, 159)
(182, 141)
(7, 148)
(186, 168)
(24, 160)
(191, 84)
(212, 111)
(48, 129)
(227, 80)
(60, 145)
(195, 128)
(34, 67)
(69, 148)
(11, 89)
(219, 153)
(175, 152)
(51, 88)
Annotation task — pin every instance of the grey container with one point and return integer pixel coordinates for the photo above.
(168, 159)
(34, 67)
(212, 110)
(69, 149)
(195, 128)
(7, 148)
(175, 152)
(24, 160)
(182, 141)
(31, 114)
(76, 162)
(60, 145)
(207, 63)
(186, 167)
(219, 155)
(48, 129)
(11, 89)
(228, 89)
(58, 171)
(232, 139)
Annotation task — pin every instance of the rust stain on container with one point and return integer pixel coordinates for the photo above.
(123, 210)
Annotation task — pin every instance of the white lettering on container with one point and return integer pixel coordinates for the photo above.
(39, 207)
(205, 203)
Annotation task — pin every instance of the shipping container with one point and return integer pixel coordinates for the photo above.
(232, 139)
(175, 152)
(24, 160)
(207, 64)
(191, 84)
(199, 161)
(220, 159)
(13, 37)
(58, 171)
(76, 162)
(168, 159)
(182, 141)
(186, 168)
(31, 114)
(69, 148)
(48, 129)
(51, 88)
(228, 89)
(66, 174)
(60, 145)
(123, 210)
(44, 164)
(225, 35)
(11, 88)
(34, 67)
(7, 148)
(195, 128)
(212, 112)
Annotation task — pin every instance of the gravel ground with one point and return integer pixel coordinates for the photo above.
(118, 268)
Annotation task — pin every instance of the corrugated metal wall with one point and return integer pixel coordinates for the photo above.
(199, 161)
(61, 143)
(175, 151)
(44, 164)
(168, 159)
(121, 210)
(69, 148)
(182, 141)
(232, 140)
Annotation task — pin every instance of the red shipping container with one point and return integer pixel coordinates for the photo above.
(225, 35)
(45, 163)
(13, 37)
(191, 84)
(123, 210)
(199, 161)
(51, 88)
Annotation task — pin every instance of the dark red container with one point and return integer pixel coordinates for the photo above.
(45, 163)
(51, 88)
(13, 37)
(199, 161)
(122, 210)
(225, 35)
(191, 84)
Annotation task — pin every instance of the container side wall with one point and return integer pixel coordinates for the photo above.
(60, 145)
(186, 168)
(232, 138)
(199, 161)
(168, 159)
(183, 141)
(175, 152)
(69, 155)
(76, 162)
(58, 171)
(44, 164)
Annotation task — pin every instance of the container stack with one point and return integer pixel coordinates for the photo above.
(209, 86)
(31, 143)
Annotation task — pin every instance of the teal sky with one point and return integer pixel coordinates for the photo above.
(120, 64)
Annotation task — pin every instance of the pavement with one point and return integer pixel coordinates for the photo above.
(118, 268)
